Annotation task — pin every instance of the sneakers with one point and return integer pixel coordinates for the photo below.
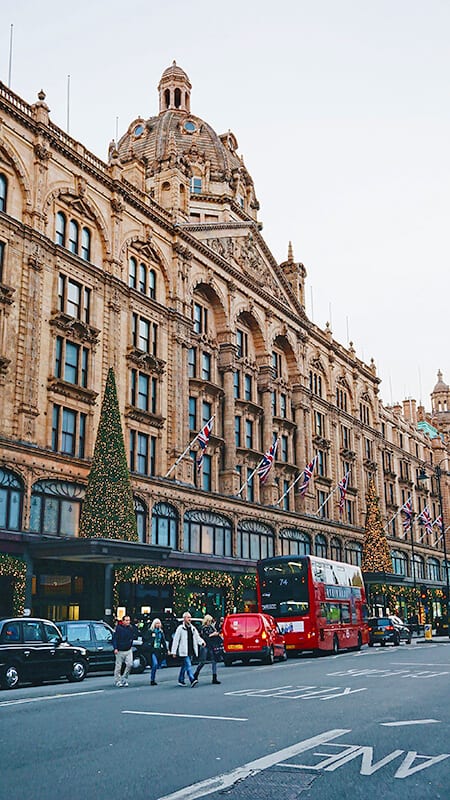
(194, 683)
(181, 683)
(124, 683)
(118, 683)
(153, 683)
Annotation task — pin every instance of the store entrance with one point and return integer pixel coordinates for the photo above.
(68, 591)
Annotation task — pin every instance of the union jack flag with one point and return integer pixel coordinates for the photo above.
(425, 518)
(203, 439)
(267, 461)
(438, 521)
(307, 475)
(407, 510)
(343, 491)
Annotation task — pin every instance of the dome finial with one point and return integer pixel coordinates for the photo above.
(290, 257)
(174, 90)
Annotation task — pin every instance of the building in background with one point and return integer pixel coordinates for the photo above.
(154, 264)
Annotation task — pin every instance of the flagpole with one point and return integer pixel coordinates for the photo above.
(327, 498)
(188, 448)
(290, 487)
(396, 514)
(250, 477)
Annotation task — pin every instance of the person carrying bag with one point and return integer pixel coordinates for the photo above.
(213, 650)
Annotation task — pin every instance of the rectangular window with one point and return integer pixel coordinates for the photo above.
(192, 362)
(71, 362)
(192, 413)
(284, 448)
(319, 424)
(73, 299)
(132, 274)
(141, 331)
(152, 455)
(276, 364)
(143, 392)
(154, 396)
(249, 433)
(2, 259)
(273, 403)
(250, 485)
(142, 453)
(321, 462)
(248, 387)
(322, 505)
(206, 412)
(200, 318)
(345, 438)
(237, 385)
(368, 449)
(241, 344)
(286, 497)
(206, 367)
(207, 473)
(237, 431)
(68, 431)
(283, 406)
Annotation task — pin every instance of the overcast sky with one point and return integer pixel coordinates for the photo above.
(341, 111)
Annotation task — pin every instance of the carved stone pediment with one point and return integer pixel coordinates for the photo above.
(77, 205)
(75, 328)
(245, 255)
(144, 417)
(6, 294)
(77, 393)
(145, 360)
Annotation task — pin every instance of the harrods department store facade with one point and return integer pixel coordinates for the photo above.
(153, 263)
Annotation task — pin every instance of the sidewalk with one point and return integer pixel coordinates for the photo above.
(422, 640)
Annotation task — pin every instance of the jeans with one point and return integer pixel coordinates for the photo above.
(186, 668)
(155, 665)
(123, 656)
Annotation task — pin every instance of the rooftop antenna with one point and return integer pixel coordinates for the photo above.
(420, 387)
(390, 390)
(312, 304)
(330, 314)
(117, 129)
(10, 55)
(348, 333)
(68, 104)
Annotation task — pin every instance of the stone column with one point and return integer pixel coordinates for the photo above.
(229, 477)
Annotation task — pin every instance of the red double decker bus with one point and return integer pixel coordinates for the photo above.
(318, 604)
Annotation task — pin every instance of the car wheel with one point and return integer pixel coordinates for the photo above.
(370, 644)
(335, 645)
(10, 677)
(139, 664)
(383, 644)
(269, 659)
(408, 641)
(284, 656)
(78, 671)
(397, 641)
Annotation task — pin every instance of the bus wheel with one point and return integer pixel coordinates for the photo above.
(335, 645)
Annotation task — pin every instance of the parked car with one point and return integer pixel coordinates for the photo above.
(248, 636)
(96, 637)
(388, 629)
(32, 650)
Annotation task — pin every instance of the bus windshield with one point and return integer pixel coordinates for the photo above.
(284, 588)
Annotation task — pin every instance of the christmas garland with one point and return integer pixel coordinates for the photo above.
(15, 568)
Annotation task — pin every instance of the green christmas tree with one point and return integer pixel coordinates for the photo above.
(376, 554)
(108, 508)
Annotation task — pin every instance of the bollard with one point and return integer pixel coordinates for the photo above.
(428, 632)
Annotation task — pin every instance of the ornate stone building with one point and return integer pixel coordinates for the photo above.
(154, 264)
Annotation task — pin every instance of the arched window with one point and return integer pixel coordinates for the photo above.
(142, 278)
(294, 542)
(140, 509)
(167, 98)
(320, 546)
(56, 507)
(433, 570)
(152, 284)
(3, 191)
(11, 500)
(399, 563)
(132, 274)
(206, 532)
(164, 525)
(61, 229)
(73, 236)
(196, 184)
(86, 244)
(353, 553)
(177, 98)
(336, 549)
(254, 540)
(418, 567)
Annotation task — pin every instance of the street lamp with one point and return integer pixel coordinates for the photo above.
(421, 480)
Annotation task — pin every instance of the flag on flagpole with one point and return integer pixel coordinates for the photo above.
(438, 521)
(267, 461)
(203, 439)
(425, 518)
(408, 512)
(307, 475)
(343, 491)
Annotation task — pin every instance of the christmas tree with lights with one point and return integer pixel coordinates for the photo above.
(376, 553)
(108, 507)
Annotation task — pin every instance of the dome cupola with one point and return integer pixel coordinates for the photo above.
(174, 90)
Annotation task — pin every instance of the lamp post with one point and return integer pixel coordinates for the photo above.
(421, 479)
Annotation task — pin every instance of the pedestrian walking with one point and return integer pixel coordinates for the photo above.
(186, 643)
(122, 640)
(213, 648)
(158, 648)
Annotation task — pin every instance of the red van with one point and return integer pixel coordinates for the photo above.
(247, 636)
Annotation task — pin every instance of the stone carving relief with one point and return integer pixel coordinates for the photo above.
(243, 253)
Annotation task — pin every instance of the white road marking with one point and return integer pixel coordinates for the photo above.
(187, 716)
(226, 780)
(409, 722)
(49, 697)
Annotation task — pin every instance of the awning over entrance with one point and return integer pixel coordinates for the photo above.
(98, 551)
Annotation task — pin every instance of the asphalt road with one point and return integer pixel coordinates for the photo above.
(355, 725)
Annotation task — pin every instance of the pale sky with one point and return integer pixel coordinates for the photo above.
(341, 111)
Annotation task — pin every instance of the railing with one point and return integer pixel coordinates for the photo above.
(15, 100)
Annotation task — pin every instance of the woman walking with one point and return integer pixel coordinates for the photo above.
(213, 640)
(158, 648)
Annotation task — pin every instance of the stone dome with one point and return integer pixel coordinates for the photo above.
(440, 385)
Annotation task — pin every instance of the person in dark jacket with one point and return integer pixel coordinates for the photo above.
(213, 640)
(158, 647)
(123, 637)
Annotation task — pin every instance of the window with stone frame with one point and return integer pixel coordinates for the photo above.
(3, 191)
(73, 235)
(68, 431)
(71, 362)
(74, 298)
